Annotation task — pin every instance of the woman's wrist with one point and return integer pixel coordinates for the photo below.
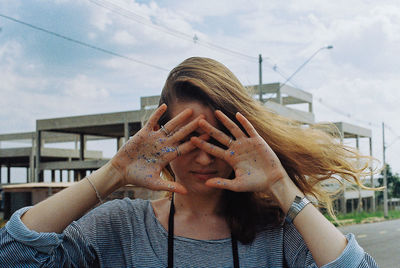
(284, 192)
(107, 179)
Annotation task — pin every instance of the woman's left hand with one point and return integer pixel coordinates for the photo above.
(255, 164)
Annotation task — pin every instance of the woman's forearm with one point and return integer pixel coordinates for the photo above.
(325, 242)
(58, 211)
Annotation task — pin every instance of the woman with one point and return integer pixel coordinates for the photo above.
(234, 170)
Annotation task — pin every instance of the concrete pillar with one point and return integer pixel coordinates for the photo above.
(8, 174)
(126, 131)
(76, 175)
(69, 171)
(343, 207)
(31, 167)
(38, 173)
(373, 205)
(118, 143)
(343, 198)
(82, 148)
(359, 203)
(32, 161)
(279, 96)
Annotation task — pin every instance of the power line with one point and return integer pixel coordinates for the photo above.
(143, 20)
(348, 115)
(391, 129)
(83, 43)
(275, 68)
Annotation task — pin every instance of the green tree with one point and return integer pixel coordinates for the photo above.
(393, 184)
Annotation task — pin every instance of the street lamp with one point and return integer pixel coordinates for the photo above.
(307, 61)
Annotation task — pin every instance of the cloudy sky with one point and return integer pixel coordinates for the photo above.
(43, 75)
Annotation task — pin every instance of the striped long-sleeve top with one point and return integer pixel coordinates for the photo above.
(126, 233)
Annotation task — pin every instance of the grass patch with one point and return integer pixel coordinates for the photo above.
(363, 217)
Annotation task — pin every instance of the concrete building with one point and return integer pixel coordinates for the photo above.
(355, 198)
(24, 156)
(282, 99)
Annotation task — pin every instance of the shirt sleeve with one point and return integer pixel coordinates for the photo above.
(21, 247)
(298, 255)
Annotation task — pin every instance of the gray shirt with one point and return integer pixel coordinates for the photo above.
(126, 233)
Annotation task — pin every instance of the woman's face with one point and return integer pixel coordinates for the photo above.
(193, 169)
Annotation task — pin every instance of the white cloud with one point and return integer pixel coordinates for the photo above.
(100, 18)
(359, 76)
(83, 87)
(124, 38)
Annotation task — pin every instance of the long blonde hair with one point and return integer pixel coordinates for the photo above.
(310, 155)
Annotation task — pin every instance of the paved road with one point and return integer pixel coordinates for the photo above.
(381, 240)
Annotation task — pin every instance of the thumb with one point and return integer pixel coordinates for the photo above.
(170, 186)
(222, 183)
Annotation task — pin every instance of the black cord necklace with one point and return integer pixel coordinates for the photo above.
(235, 252)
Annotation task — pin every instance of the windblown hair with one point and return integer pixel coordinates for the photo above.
(310, 156)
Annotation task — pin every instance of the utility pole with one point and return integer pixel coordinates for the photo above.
(385, 198)
(260, 77)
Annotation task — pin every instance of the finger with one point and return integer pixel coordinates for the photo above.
(246, 124)
(189, 146)
(187, 129)
(208, 147)
(153, 120)
(184, 148)
(222, 183)
(164, 185)
(214, 132)
(172, 124)
(230, 125)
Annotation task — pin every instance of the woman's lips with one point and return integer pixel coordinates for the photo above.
(204, 175)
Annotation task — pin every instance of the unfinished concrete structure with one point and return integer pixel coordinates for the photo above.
(282, 99)
(121, 125)
(117, 126)
(24, 156)
(279, 98)
(355, 197)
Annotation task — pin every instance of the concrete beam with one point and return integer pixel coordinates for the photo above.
(265, 88)
(73, 165)
(352, 131)
(301, 116)
(16, 152)
(87, 121)
(298, 94)
(47, 137)
(17, 136)
(355, 194)
(149, 102)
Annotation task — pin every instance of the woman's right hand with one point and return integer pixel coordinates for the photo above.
(144, 155)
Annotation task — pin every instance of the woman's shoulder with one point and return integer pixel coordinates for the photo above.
(118, 210)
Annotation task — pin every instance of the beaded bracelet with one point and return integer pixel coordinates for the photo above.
(95, 189)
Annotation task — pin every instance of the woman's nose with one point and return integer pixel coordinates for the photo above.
(204, 158)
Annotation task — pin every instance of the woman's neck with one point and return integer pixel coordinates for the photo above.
(196, 216)
(197, 205)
